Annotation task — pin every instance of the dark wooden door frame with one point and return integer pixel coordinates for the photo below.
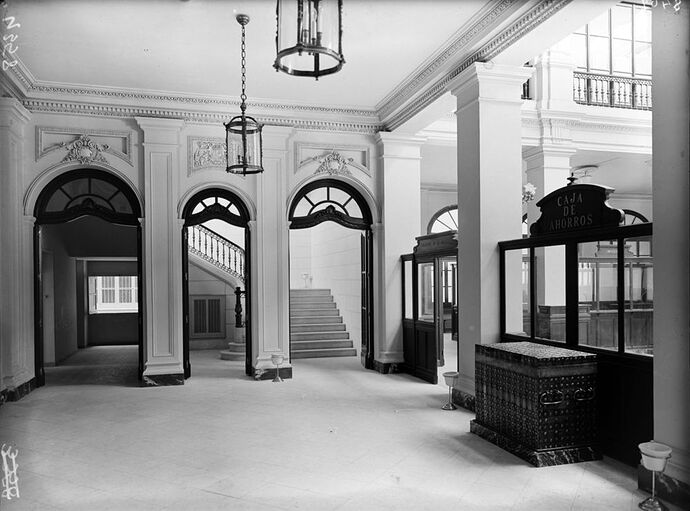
(330, 214)
(216, 212)
(77, 208)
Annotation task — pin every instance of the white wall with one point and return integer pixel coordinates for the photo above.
(202, 282)
(330, 253)
(439, 178)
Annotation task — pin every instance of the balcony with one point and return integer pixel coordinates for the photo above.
(612, 91)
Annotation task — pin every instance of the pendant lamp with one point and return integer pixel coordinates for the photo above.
(309, 37)
(244, 151)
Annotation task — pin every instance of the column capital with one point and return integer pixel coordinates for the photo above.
(393, 145)
(549, 150)
(489, 81)
(13, 115)
(160, 131)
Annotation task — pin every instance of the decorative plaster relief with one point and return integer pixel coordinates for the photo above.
(332, 161)
(82, 145)
(205, 153)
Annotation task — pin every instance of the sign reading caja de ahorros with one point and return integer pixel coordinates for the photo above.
(576, 207)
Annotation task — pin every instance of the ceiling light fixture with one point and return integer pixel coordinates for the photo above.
(244, 151)
(309, 37)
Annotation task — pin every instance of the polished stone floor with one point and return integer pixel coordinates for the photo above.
(335, 437)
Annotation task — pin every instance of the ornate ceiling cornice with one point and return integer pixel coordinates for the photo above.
(535, 16)
(412, 96)
(417, 81)
(192, 116)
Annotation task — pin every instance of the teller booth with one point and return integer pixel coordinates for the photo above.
(583, 281)
(430, 310)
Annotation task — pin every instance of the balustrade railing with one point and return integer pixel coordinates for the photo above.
(216, 249)
(612, 91)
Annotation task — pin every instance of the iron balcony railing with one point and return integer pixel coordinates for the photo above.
(217, 250)
(612, 91)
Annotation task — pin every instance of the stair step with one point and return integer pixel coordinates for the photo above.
(312, 305)
(236, 347)
(231, 355)
(312, 320)
(336, 352)
(311, 292)
(315, 312)
(319, 345)
(311, 299)
(318, 336)
(318, 327)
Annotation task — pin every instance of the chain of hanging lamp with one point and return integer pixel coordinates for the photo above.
(243, 96)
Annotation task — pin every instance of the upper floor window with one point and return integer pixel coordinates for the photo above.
(444, 220)
(618, 42)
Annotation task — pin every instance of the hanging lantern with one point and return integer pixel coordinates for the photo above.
(309, 37)
(243, 145)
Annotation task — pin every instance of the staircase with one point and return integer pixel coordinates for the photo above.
(316, 327)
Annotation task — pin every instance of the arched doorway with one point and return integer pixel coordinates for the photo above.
(216, 234)
(332, 200)
(104, 206)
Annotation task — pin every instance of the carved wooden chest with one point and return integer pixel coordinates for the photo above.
(537, 401)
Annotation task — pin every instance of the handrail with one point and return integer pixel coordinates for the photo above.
(216, 249)
(612, 91)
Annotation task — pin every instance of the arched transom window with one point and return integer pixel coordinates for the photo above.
(215, 204)
(329, 200)
(444, 220)
(88, 192)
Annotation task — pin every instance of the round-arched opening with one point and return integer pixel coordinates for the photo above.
(329, 199)
(216, 277)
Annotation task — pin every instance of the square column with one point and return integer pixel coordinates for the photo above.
(270, 275)
(489, 198)
(17, 369)
(162, 252)
(548, 168)
(399, 185)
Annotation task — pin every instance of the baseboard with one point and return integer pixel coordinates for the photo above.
(270, 373)
(21, 391)
(162, 380)
(386, 367)
(667, 488)
(464, 400)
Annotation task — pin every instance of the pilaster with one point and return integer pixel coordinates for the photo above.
(270, 275)
(489, 198)
(16, 299)
(162, 252)
(399, 182)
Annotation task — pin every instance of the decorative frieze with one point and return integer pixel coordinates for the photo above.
(205, 153)
(332, 161)
(84, 146)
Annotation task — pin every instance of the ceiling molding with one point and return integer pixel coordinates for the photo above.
(527, 22)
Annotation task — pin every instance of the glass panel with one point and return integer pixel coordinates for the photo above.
(353, 210)
(621, 21)
(643, 59)
(517, 306)
(302, 208)
(425, 304)
(77, 187)
(639, 295)
(643, 23)
(599, 25)
(57, 202)
(550, 279)
(578, 43)
(102, 188)
(599, 54)
(622, 56)
(598, 294)
(407, 269)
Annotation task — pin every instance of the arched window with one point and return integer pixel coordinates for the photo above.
(329, 199)
(444, 220)
(215, 203)
(87, 192)
(631, 217)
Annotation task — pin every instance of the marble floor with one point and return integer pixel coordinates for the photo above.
(335, 437)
